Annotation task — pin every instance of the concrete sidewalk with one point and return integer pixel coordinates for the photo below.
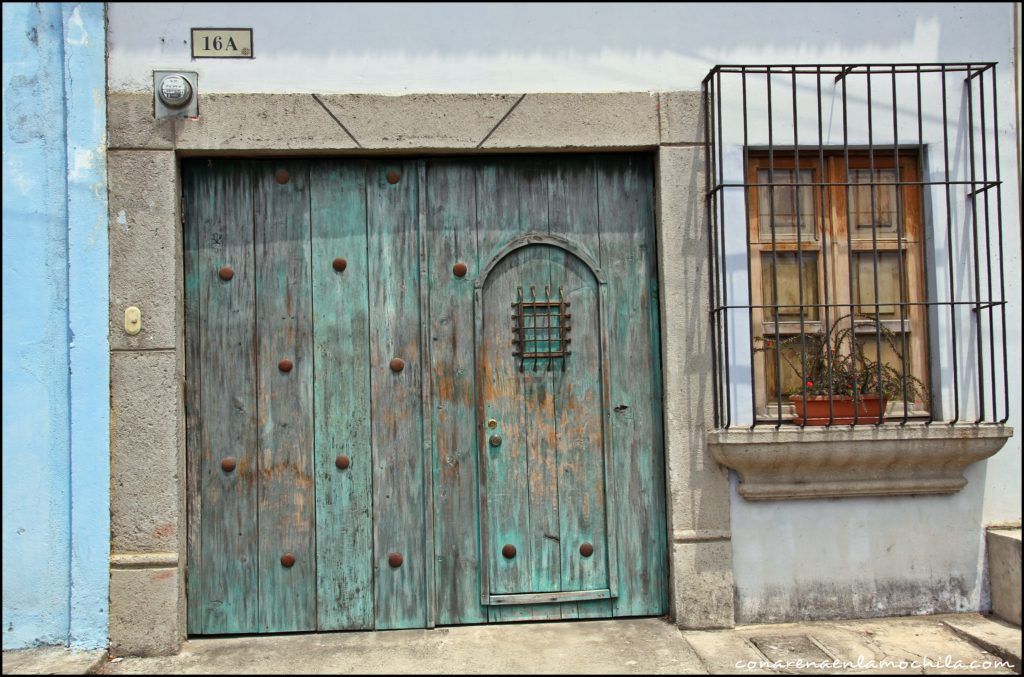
(949, 644)
(924, 644)
(53, 660)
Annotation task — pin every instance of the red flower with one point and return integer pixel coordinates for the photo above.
(810, 384)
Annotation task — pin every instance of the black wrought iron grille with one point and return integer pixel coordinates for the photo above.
(540, 328)
(855, 234)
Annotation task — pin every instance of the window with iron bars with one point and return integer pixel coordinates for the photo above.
(855, 242)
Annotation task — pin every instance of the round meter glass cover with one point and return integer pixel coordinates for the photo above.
(175, 91)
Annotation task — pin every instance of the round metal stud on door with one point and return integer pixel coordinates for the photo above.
(395, 560)
(281, 176)
(226, 273)
(586, 550)
(228, 464)
(460, 269)
(509, 551)
(495, 440)
(342, 461)
(393, 177)
(285, 365)
(339, 264)
(397, 364)
(287, 560)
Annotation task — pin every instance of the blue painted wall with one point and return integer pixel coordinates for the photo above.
(56, 467)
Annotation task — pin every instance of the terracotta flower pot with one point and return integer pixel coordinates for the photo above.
(871, 409)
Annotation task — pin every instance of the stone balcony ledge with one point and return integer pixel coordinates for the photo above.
(885, 460)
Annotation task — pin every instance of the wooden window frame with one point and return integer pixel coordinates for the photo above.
(838, 246)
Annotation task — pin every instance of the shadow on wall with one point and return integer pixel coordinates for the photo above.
(553, 29)
(568, 47)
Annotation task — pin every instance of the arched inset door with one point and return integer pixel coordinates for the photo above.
(543, 405)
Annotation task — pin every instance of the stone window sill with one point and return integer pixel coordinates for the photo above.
(886, 460)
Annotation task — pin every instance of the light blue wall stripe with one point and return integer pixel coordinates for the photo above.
(84, 90)
(55, 360)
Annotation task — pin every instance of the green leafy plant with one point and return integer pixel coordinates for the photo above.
(835, 357)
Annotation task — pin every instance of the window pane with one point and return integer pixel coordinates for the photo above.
(892, 348)
(796, 359)
(888, 284)
(789, 282)
(872, 205)
(783, 199)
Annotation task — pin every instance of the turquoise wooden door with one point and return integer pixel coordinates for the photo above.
(353, 328)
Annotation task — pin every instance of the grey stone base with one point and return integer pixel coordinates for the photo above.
(1004, 558)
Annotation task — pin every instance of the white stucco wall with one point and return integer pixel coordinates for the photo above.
(787, 555)
(394, 48)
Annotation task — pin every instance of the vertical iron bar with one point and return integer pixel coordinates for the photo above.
(799, 252)
(775, 256)
(920, 165)
(899, 248)
(547, 326)
(974, 239)
(874, 248)
(563, 323)
(949, 252)
(533, 320)
(712, 276)
(521, 325)
(825, 254)
(724, 266)
(750, 284)
(849, 247)
(988, 245)
(999, 231)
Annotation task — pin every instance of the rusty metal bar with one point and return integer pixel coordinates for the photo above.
(720, 173)
(899, 248)
(999, 230)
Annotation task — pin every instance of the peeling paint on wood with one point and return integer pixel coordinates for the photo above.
(580, 453)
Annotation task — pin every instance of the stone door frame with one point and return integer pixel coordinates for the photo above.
(148, 478)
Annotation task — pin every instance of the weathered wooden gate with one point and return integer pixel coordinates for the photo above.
(422, 392)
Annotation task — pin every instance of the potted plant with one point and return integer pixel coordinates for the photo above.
(834, 367)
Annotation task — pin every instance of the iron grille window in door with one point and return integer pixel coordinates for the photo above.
(855, 238)
(540, 328)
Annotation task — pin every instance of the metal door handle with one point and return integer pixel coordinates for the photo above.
(495, 440)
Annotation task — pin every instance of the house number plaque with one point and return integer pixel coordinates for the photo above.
(223, 43)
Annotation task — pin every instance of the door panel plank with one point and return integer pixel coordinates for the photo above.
(538, 394)
(628, 257)
(451, 238)
(223, 390)
(504, 471)
(578, 401)
(284, 330)
(503, 183)
(574, 216)
(341, 387)
(193, 186)
(396, 405)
